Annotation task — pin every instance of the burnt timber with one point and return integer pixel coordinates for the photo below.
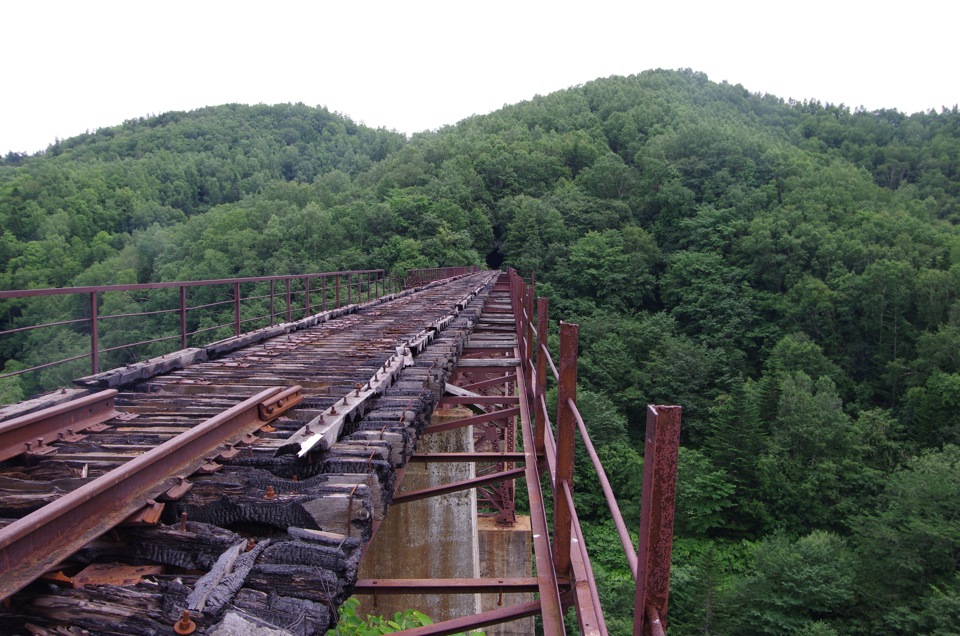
(265, 526)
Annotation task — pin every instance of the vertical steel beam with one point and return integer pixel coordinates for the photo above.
(94, 336)
(566, 430)
(288, 300)
(306, 296)
(236, 309)
(323, 293)
(183, 317)
(541, 380)
(338, 291)
(271, 303)
(656, 517)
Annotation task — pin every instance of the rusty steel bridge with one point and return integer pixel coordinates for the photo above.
(250, 476)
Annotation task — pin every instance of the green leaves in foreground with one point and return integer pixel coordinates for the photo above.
(352, 625)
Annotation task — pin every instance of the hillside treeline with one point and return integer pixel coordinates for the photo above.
(788, 272)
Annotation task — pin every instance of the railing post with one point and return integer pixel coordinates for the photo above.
(541, 383)
(368, 286)
(657, 503)
(566, 427)
(349, 288)
(183, 317)
(288, 301)
(338, 291)
(94, 336)
(306, 296)
(528, 359)
(236, 309)
(515, 284)
(323, 293)
(271, 303)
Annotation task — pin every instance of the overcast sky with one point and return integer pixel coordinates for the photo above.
(412, 66)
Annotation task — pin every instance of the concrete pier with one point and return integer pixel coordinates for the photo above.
(429, 538)
(505, 551)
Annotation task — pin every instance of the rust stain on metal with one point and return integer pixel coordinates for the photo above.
(656, 515)
(21, 434)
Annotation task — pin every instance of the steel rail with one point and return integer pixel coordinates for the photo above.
(552, 611)
(19, 434)
(45, 366)
(549, 359)
(49, 324)
(549, 442)
(137, 344)
(585, 593)
(135, 315)
(36, 543)
(611, 499)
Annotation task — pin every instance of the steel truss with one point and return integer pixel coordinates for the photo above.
(502, 377)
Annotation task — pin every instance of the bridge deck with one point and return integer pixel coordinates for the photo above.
(289, 497)
(240, 483)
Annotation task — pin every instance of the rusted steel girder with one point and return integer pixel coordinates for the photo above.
(446, 586)
(482, 400)
(566, 432)
(656, 518)
(426, 493)
(482, 384)
(426, 458)
(552, 611)
(489, 416)
(585, 594)
(25, 433)
(34, 544)
(484, 619)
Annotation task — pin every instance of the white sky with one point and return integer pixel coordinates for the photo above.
(416, 65)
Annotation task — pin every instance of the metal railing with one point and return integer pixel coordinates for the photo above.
(649, 562)
(256, 302)
(418, 277)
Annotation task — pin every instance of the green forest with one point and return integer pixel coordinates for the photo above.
(788, 272)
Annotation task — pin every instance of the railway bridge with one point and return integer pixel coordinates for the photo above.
(353, 434)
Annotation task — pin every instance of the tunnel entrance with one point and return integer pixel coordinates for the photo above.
(495, 259)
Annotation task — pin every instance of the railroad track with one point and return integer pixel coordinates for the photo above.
(234, 482)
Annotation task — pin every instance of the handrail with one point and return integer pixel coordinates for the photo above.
(57, 291)
(284, 302)
(649, 562)
(611, 499)
(422, 276)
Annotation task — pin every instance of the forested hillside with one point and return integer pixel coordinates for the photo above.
(788, 272)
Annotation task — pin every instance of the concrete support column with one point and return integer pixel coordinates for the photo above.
(505, 553)
(430, 538)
